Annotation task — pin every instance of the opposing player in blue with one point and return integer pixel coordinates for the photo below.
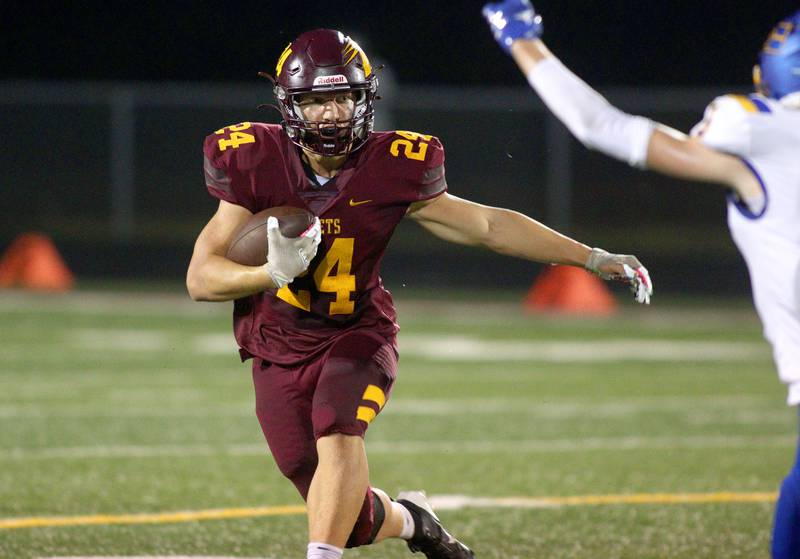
(750, 144)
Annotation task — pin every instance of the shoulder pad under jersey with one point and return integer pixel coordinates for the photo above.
(230, 153)
(726, 124)
(243, 145)
(417, 159)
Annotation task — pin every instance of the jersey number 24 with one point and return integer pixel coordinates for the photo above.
(342, 282)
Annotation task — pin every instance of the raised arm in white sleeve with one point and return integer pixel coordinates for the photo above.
(592, 120)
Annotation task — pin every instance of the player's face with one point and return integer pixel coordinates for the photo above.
(327, 107)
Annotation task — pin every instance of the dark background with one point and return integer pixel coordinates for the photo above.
(664, 42)
(56, 155)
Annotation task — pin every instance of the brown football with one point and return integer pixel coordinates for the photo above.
(249, 244)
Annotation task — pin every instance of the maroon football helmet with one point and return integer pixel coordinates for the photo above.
(325, 60)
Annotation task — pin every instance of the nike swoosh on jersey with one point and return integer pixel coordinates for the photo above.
(354, 203)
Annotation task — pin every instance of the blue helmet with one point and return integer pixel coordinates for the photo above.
(778, 72)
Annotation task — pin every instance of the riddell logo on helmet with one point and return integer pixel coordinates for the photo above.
(330, 80)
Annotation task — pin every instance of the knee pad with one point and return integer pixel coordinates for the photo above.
(369, 521)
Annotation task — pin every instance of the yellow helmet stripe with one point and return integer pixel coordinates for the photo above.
(367, 65)
(353, 49)
(778, 37)
(287, 51)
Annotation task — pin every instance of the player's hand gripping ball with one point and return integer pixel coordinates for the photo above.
(250, 246)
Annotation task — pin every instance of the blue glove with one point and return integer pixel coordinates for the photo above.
(512, 20)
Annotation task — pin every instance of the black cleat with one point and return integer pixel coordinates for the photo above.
(430, 537)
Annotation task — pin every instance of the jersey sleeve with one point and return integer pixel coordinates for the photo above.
(726, 125)
(430, 182)
(224, 174)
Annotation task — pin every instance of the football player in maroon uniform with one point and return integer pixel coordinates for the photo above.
(316, 320)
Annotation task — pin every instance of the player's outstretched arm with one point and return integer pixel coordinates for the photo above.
(601, 126)
(514, 234)
(212, 277)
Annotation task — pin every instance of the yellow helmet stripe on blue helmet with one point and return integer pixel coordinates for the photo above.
(778, 37)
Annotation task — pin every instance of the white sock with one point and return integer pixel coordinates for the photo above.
(318, 550)
(408, 520)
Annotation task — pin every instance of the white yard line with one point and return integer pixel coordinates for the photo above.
(416, 447)
(157, 410)
(699, 410)
(457, 348)
(142, 404)
(569, 409)
(458, 502)
(109, 303)
(215, 344)
(89, 302)
(121, 340)
(581, 445)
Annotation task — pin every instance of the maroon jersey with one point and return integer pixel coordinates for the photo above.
(256, 166)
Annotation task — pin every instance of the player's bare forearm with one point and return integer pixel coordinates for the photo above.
(514, 234)
(215, 278)
(211, 276)
(527, 53)
(503, 231)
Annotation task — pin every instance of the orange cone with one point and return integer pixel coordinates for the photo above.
(10, 265)
(33, 262)
(570, 290)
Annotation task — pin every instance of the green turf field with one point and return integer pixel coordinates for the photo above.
(659, 433)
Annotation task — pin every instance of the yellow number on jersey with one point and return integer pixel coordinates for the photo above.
(237, 137)
(301, 299)
(413, 135)
(407, 145)
(340, 256)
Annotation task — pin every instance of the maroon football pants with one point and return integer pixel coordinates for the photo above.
(340, 392)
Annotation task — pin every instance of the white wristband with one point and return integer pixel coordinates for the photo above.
(589, 116)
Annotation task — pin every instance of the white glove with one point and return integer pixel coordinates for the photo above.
(622, 267)
(288, 257)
